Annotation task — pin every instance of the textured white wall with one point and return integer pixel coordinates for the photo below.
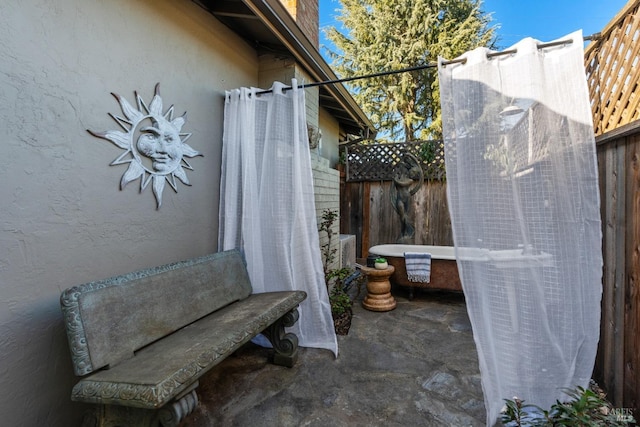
(63, 219)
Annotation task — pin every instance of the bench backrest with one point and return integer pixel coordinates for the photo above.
(108, 320)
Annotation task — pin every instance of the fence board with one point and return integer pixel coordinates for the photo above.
(617, 367)
(433, 223)
(610, 367)
(384, 228)
(351, 207)
(618, 243)
(631, 388)
(366, 218)
(603, 364)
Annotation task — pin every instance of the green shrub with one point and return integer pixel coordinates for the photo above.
(586, 408)
(339, 300)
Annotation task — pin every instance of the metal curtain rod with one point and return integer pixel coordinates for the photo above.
(348, 79)
(594, 36)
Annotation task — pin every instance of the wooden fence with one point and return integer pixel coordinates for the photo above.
(618, 363)
(366, 210)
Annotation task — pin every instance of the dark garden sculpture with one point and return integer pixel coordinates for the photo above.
(407, 180)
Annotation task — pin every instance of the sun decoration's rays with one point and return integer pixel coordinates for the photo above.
(160, 144)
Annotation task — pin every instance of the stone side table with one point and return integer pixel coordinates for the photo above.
(379, 296)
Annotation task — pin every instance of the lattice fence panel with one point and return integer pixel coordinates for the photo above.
(613, 71)
(377, 162)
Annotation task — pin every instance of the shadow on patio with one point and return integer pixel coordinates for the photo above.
(415, 365)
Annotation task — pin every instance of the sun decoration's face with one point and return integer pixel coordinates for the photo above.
(162, 144)
(159, 149)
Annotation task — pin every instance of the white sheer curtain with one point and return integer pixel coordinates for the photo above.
(267, 206)
(524, 201)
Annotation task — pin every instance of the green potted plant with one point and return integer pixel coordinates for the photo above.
(381, 263)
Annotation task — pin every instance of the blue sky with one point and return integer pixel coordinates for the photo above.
(544, 20)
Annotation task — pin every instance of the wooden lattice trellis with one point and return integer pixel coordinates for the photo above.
(613, 71)
(377, 162)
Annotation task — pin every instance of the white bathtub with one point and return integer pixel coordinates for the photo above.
(444, 270)
(437, 252)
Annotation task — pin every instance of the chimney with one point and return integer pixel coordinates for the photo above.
(306, 14)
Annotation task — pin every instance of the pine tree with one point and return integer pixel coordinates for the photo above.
(386, 35)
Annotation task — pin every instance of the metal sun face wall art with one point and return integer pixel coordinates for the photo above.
(155, 148)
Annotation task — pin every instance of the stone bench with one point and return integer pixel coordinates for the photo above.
(142, 340)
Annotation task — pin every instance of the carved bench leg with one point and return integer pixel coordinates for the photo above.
(171, 414)
(285, 345)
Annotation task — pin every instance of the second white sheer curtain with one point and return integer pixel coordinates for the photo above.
(522, 183)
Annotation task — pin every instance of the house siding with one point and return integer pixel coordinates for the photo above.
(326, 182)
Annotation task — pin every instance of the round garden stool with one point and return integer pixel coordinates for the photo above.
(378, 296)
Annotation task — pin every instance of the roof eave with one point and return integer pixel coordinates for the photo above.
(333, 97)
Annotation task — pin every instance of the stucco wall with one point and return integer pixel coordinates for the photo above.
(64, 220)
